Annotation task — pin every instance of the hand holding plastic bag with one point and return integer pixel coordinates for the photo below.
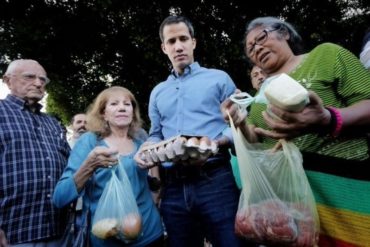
(276, 206)
(117, 214)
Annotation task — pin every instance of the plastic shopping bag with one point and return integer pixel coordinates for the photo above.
(117, 214)
(276, 206)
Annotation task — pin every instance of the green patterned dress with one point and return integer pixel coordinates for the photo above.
(336, 167)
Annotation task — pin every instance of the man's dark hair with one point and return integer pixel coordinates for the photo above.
(73, 118)
(174, 19)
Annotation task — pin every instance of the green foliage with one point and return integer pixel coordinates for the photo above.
(88, 45)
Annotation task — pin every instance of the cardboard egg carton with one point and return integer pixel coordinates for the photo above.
(179, 148)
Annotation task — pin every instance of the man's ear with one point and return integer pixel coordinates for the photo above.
(163, 47)
(6, 80)
(194, 43)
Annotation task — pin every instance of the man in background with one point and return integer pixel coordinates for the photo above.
(78, 125)
(257, 77)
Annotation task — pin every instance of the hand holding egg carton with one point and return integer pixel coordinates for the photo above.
(180, 148)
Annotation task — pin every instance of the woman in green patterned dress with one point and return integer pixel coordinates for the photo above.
(330, 131)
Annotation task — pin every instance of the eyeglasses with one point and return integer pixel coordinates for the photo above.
(259, 40)
(29, 77)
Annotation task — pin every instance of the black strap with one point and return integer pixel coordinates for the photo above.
(355, 169)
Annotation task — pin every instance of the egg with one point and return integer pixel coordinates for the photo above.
(214, 147)
(204, 144)
(192, 142)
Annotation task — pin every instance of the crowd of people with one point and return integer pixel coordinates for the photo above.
(42, 172)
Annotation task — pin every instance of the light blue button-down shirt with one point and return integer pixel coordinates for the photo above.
(189, 104)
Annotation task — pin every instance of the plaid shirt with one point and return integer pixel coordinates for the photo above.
(33, 154)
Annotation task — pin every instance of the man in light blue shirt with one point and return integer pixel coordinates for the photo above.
(201, 200)
(189, 103)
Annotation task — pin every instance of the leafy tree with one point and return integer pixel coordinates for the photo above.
(88, 45)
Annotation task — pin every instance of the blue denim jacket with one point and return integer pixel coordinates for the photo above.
(66, 191)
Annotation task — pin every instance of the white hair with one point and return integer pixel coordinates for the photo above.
(15, 63)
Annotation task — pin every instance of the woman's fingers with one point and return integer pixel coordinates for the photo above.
(103, 157)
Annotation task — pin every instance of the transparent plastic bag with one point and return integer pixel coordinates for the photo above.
(117, 214)
(276, 206)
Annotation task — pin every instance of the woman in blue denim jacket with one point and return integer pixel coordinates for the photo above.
(113, 123)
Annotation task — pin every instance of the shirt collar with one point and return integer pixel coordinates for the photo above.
(21, 103)
(188, 69)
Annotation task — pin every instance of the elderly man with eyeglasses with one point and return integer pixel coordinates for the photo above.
(33, 154)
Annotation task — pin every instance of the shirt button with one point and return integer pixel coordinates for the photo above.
(48, 195)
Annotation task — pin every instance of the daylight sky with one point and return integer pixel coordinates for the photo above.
(3, 90)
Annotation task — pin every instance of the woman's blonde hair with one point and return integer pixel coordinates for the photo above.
(95, 118)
